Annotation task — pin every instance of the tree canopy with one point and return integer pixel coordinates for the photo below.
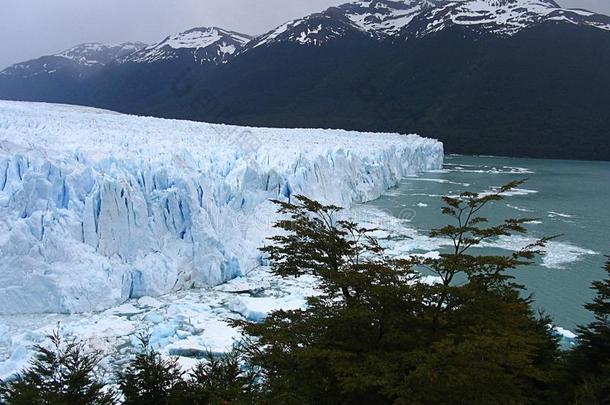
(376, 332)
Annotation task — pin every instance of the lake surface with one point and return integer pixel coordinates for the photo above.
(570, 198)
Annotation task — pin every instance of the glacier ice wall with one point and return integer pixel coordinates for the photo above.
(98, 207)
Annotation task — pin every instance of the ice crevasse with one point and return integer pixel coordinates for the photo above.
(98, 207)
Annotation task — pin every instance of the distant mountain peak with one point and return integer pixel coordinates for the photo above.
(384, 17)
(204, 44)
(393, 18)
(500, 17)
(79, 58)
(91, 53)
(316, 30)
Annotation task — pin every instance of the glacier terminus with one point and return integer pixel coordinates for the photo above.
(98, 207)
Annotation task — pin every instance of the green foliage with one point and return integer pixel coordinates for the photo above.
(317, 243)
(596, 336)
(376, 334)
(471, 230)
(220, 380)
(150, 379)
(588, 365)
(490, 350)
(63, 374)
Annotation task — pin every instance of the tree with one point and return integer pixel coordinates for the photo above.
(321, 354)
(377, 334)
(150, 379)
(588, 367)
(486, 344)
(219, 379)
(470, 231)
(60, 375)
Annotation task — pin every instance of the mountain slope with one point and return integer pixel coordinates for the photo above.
(61, 77)
(507, 77)
(384, 19)
(200, 45)
(80, 60)
(135, 78)
(500, 17)
(542, 93)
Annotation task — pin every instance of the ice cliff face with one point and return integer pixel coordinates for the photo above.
(98, 207)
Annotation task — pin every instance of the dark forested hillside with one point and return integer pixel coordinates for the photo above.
(543, 92)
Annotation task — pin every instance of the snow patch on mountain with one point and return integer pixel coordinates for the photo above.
(315, 30)
(98, 207)
(378, 19)
(203, 44)
(383, 19)
(501, 17)
(77, 60)
(96, 53)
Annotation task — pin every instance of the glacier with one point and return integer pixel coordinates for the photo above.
(98, 208)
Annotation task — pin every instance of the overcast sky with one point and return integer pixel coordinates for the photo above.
(32, 28)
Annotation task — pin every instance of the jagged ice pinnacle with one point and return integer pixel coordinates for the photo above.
(98, 207)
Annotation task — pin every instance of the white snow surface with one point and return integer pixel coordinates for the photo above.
(98, 207)
(185, 325)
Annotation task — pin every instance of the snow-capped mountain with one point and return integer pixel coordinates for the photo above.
(77, 59)
(472, 73)
(198, 45)
(208, 44)
(500, 17)
(381, 18)
(375, 18)
(95, 53)
(390, 18)
(316, 29)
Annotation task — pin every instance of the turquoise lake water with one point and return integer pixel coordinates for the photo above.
(571, 198)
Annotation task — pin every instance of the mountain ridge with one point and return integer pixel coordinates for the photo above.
(380, 19)
(85, 55)
(203, 44)
(485, 82)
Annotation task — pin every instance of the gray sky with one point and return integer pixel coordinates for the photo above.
(32, 28)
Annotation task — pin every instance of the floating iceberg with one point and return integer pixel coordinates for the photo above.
(98, 207)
